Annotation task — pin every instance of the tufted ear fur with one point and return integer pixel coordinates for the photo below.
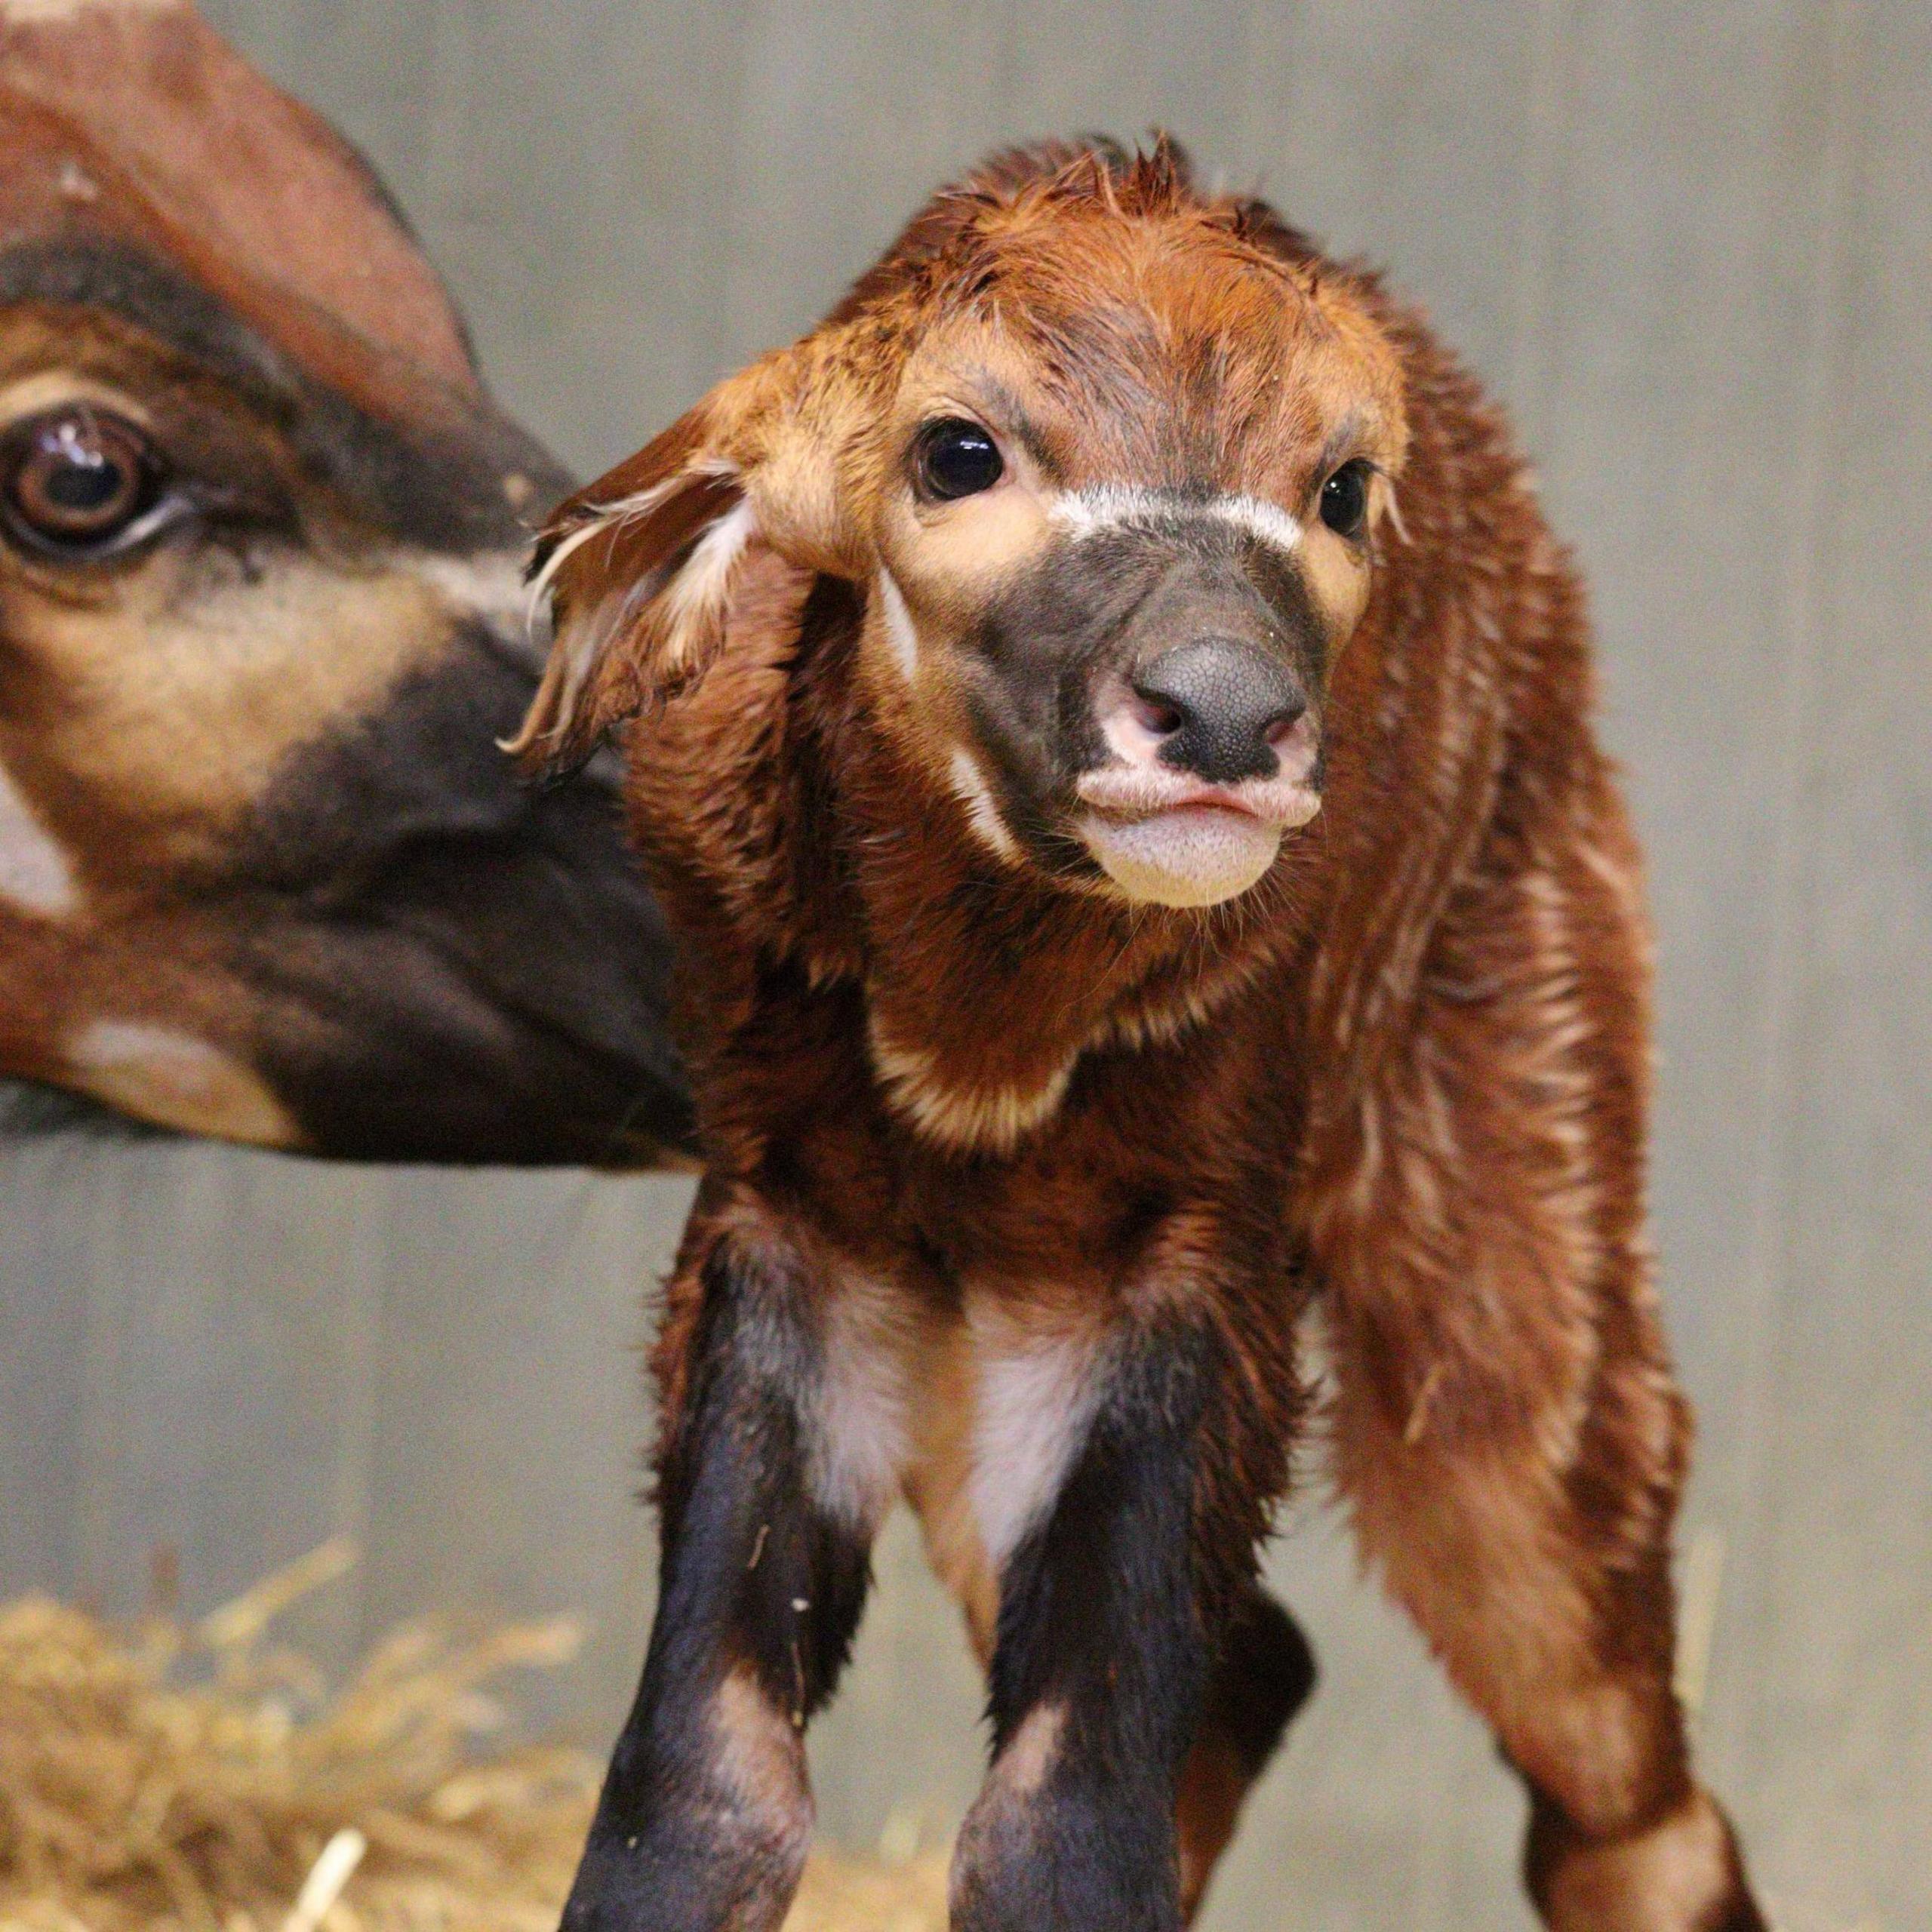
(639, 568)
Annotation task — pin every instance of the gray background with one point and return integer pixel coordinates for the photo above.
(1692, 245)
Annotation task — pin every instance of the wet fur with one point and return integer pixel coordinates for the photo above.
(1401, 1083)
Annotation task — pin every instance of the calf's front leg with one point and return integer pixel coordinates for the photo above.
(1110, 1614)
(706, 1815)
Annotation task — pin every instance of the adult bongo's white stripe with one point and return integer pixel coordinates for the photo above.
(36, 873)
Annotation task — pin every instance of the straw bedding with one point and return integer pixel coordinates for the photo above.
(203, 1777)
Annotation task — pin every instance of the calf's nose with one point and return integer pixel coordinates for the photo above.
(1220, 708)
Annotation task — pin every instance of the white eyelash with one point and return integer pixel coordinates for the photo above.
(976, 796)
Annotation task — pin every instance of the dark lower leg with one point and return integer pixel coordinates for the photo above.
(706, 1816)
(1263, 1676)
(1102, 1670)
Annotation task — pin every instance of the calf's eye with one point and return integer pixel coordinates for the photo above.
(1345, 500)
(955, 459)
(78, 484)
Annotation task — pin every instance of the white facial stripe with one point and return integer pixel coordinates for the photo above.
(1117, 506)
(55, 389)
(899, 624)
(1034, 1398)
(982, 810)
(35, 875)
(161, 1075)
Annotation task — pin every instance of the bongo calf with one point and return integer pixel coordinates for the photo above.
(1136, 887)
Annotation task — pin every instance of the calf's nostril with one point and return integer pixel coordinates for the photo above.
(1286, 729)
(1159, 715)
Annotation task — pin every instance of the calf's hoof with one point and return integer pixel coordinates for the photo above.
(1076, 1861)
(1682, 1874)
(697, 1874)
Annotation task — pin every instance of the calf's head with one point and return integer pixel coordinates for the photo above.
(262, 873)
(1109, 459)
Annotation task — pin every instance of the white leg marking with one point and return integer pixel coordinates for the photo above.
(1033, 1401)
(1031, 1753)
(35, 872)
(860, 1443)
(761, 1755)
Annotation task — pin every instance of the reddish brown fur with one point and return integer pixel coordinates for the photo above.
(1403, 1080)
(262, 874)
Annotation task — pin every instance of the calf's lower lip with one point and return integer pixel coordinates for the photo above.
(1197, 854)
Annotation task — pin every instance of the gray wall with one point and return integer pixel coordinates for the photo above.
(1692, 245)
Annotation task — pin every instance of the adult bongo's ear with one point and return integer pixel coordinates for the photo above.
(639, 568)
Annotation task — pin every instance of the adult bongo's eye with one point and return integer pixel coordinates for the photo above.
(79, 484)
(1345, 500)
(955, 459)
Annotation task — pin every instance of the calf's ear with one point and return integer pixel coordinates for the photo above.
(639, 568)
